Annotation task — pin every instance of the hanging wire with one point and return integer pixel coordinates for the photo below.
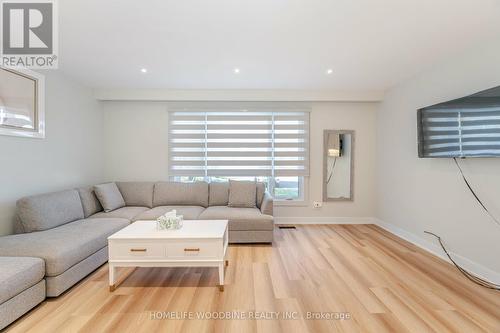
(470, 276)
(474, 193)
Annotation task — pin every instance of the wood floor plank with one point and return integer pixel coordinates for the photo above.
(317, 278)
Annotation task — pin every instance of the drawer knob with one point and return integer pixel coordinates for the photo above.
(192, 249)
(138, 250)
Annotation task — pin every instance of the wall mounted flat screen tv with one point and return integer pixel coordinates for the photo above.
(464, 127)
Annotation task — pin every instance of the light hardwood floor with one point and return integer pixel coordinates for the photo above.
(384, 284)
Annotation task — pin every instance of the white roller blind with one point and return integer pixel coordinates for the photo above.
(238, 143)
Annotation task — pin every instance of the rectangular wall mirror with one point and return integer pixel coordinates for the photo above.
(338, 165)
(21, 103)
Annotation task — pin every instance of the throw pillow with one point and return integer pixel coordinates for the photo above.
(109, 196)
(242, 194)
(218, 194)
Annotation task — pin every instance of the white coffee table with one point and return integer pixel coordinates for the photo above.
(197, 243)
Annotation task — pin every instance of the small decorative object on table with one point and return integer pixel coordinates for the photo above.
(169, 221)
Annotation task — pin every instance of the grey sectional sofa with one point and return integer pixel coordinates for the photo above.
(64, 234)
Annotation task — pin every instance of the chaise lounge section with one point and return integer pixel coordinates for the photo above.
(56, 231)
(22, 287)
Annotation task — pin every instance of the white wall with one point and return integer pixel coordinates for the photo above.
(136, 141)
(70, 155)
(428, 194)
(137, 149)
(360, 117)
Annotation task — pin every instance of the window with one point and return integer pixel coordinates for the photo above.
(282, 188)
(270, 146)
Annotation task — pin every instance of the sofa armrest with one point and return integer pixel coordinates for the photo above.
(267, 204)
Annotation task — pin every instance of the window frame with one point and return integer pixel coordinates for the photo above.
(303, 189)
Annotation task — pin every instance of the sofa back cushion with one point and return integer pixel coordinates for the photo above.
(219, 194)
(46, 211)
(137, 193)
(90, 203)
(180, 194)
(109, 196)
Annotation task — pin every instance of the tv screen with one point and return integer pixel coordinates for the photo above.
(465, 127)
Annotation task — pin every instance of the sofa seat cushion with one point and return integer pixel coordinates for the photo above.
(188, 212)
(18, 274)
(65, 246)
(128, 213)
(239, 218)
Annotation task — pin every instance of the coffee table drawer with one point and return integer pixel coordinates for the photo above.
(192, 250)
(133, 250)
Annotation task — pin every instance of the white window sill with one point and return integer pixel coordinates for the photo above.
(296, 203)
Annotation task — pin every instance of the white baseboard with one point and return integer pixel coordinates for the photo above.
(323, 220)
(434, 248)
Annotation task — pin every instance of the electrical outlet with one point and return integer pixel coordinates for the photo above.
(317, 204)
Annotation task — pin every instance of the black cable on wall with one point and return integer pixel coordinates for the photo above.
(474, 193)
(477, 280)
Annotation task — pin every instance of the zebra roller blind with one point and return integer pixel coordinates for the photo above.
(239, 143)
(464, 128)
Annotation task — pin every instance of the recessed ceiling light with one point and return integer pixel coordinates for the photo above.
(236, 71)
(144, 70)
(329, 71)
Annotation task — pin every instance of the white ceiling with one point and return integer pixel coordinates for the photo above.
(277, 44)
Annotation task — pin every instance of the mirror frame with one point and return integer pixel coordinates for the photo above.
(326, 133)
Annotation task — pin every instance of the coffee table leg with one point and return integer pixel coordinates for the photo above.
(112, 273)
(221, 276)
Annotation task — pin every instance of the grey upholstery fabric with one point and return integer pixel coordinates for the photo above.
(251, 236)
(45, 211)
(109, 196)
(18, 274)
(137, 193)
(242, 194)
(239, 218)
(18, 225)
(64, 246)
(180, 194)
(260, 189)
(21, 303)
(56, 285)
(90, 203)
(267, 204)
(188, 212)
(218, 194)
(128, 213)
